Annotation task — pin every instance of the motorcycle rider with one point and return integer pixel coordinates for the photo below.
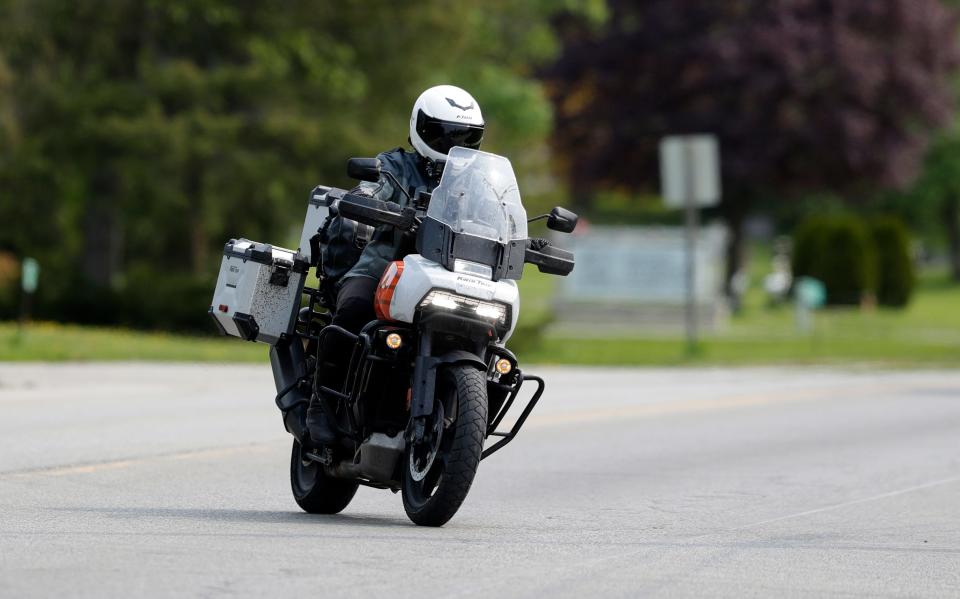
(443, 117)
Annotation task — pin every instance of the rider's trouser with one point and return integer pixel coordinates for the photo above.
(355, 304)
(354, 310)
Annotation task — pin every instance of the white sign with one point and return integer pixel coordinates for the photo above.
(642, 265)
(30, 274)
(690, 170)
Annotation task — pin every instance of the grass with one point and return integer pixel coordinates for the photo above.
(927, 333)
(58, 342)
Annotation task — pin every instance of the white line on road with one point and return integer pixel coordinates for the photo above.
(837, 506)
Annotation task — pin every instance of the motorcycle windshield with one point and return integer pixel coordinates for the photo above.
(478, 195)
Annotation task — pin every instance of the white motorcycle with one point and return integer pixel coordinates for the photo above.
(429, 381)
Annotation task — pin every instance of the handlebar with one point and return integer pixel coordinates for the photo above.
(374, 212)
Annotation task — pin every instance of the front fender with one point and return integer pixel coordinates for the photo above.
(462, 356)
(425, 377)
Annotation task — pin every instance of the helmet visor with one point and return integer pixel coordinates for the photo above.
(443, 135)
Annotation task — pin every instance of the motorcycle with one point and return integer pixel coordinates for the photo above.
(431, 380)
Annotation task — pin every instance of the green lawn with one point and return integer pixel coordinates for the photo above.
(927, 333)
(56, 342)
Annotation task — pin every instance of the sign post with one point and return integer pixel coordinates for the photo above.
(690, 179)
(29, 278)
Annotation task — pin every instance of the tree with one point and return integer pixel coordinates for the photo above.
(938, 188)
(138, 135)
(804, 95)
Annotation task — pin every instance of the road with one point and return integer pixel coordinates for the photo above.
(171, 480)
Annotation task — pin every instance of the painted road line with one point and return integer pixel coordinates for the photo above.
(193, 454)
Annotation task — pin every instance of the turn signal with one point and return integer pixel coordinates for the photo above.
(394, 341)
(385, 289)
(504, 366)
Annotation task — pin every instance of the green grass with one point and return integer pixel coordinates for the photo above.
(56, 342)
(927, 333)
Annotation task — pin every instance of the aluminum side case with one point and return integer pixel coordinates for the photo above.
(421, 275)
(258, 291)
(318, 209)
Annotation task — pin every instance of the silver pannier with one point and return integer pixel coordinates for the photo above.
(257, 297)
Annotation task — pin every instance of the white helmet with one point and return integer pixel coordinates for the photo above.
(445, 116)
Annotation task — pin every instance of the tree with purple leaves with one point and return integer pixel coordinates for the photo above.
(804, 95)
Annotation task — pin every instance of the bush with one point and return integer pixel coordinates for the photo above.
(839, 252)
(529, 333)
(9, 286)
(146, 299)
(895, 272)
(167, 301)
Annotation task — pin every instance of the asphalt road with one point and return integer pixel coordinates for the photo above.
(171, 480)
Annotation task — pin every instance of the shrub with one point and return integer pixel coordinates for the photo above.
(167, 301)
(895, 271)
(839, 252)
(9, 286)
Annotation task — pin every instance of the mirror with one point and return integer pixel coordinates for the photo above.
(562, 220)
(364, 169)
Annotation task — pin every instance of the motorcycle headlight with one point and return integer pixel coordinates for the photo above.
(466, 305)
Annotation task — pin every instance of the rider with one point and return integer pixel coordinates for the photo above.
(443, 117)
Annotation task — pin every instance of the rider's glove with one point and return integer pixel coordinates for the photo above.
(538, 243)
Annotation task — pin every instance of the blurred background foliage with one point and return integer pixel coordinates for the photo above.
(804, 95)
(137, 136)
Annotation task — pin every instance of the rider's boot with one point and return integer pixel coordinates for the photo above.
(295, 421)
(318, 424)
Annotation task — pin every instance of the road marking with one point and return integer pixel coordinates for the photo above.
(837, 506)
(192, 454)
(538, 422)
(714, 404)
(611, 561)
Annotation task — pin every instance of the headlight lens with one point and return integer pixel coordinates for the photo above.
(484, 271)
(466, 305)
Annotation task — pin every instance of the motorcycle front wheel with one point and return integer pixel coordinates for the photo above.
(438, 472)
(313, 490)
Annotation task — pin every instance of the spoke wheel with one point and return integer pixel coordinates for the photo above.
(439, 470)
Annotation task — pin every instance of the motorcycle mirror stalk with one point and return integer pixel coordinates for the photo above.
(369, 169)
(559, 219)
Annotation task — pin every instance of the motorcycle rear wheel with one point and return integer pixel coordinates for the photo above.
(313, 490)
(446, 467)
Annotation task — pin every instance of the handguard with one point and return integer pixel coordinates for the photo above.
(374, 212)
(548, 259)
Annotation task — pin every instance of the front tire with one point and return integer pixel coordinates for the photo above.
(437, 475)
(313, 490)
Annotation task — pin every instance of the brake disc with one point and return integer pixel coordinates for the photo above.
(431, 448)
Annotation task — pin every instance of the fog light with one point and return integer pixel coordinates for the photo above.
(504, 366)
(394, 341)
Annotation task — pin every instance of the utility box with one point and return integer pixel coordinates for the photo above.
(257, 297)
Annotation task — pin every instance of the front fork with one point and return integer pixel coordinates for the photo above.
(425, 384)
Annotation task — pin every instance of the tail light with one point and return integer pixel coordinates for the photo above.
(388, 284)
